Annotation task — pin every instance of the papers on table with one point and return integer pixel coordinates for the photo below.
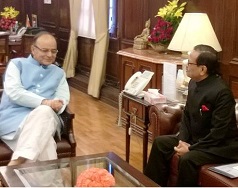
(169, 80)
(4, 33)
(15, 37)
(229, 170)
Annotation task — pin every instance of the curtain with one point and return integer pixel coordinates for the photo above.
(98, 69)
(71, 56)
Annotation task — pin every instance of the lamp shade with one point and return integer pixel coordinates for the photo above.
(194, 29)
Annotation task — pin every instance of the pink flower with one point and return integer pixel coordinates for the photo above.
(162, 32)
(7, 23)
(95, 177)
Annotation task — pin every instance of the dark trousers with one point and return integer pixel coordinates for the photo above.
(162, 151)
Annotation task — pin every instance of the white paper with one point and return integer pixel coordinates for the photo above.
(229, 170)
(180, 78)
(235, 167)
(169, 80)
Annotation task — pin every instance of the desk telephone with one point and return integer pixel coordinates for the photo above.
(135, 86)
(21, 31)
(18, 35)
(138, 82)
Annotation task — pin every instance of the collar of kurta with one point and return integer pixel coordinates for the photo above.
(33, 61)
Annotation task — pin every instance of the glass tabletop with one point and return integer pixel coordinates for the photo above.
(64, 173)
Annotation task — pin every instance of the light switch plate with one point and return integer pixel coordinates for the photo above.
(47, 1)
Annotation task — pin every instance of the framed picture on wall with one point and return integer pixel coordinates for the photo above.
(34, 20)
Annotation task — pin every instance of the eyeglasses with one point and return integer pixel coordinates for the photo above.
(44, 50)
(192, 64)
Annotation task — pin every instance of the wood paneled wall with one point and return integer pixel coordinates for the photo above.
(223, 16)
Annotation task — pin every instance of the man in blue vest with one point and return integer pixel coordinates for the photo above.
(35, 92)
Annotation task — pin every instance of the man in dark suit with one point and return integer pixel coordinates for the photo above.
(208, 132)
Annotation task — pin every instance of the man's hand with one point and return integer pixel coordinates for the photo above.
(55, 104)
(182, 148)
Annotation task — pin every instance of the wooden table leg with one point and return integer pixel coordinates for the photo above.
(145, 145)
(128, 138)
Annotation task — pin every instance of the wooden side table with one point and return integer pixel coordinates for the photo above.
(15, 49)
(138, 109)
(134, 108)
(132, 60)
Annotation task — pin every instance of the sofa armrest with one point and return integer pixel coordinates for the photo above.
(67, 129)
(165, 118)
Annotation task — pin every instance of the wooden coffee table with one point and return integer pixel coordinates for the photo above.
(64, 172)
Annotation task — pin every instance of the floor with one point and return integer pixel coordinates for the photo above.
(96, 130)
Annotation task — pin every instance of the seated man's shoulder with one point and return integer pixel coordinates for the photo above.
(17, 59)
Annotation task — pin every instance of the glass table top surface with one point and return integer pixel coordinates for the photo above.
(65, 174)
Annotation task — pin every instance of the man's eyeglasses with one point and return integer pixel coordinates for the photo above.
(44, 50)
(192, 64)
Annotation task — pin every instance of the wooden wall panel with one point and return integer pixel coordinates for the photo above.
(63, 31)
(64, 14)
(112, 73)
(31, 7)
(233, 78)
(133, 15)
(154, 6)
(48, 15)
(85, 54)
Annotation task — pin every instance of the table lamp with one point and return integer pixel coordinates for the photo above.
(194, 29)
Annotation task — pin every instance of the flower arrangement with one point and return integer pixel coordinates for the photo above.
(95, 177)
(169, 18)
(8, 19)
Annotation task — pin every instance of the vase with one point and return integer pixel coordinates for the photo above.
(159, 47)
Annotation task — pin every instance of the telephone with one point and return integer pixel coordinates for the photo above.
(18, 35)
(134, 86)
(21, 31)
(138, 82)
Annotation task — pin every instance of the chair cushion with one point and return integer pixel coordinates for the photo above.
(63, 148)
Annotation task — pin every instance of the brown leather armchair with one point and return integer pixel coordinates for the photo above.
(66, 147)
(165, 119)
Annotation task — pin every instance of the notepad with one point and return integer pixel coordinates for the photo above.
(229, 170)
